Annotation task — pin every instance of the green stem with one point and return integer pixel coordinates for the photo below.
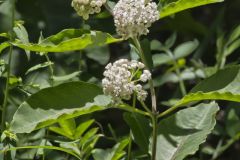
(130, 109)
(130, 133)
(141, 54)
(50, 69)
(169, 111)
(154, 112)
(4, 106)
(181, 82)
(155, 133)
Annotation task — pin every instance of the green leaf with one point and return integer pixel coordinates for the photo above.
(99, 54)
(232, 123)
(38, 66)
(3, 46)
(234, 35)
(181, 134)
(111, 154)
(185, 49)
(50, 105)
(140, 127)
(146, 46)
(171, 40)
(181, 5)
(43, 147)
(66, 77)
(224, 85)
(232, 47)
(69, 40)
(160, 59)
(82, 128)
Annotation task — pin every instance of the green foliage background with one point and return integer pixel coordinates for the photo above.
(209, 25)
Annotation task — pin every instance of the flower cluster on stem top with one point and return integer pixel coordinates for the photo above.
(122, 79)
(86, 7)
(133, 17)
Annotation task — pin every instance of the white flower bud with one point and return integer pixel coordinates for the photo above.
(120, 80)
(86, 7)
(133, 17)
(145, 76)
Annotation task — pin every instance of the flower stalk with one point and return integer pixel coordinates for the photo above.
(5, 101)
(153, 98)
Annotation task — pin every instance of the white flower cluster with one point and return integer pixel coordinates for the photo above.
(86, 7)
(122, 79)
(133, 17)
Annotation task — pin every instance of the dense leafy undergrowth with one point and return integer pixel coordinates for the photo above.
(119, 80)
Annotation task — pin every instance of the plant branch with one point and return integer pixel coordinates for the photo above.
(141, 54)
(5, 101)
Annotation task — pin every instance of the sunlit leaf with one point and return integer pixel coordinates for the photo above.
(181, 5)
(224, 85)
(69, 40)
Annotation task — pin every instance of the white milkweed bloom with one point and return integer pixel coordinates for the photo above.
(132, 18)
(86, 7)
(121, 79)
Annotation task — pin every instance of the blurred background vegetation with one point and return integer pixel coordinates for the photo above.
(206, 24)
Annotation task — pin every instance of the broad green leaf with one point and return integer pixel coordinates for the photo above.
(69, 40)
(181, 5)
(185, 49)
(140, 127)
(3, 46)
(50, 105)
(224, 85)
(181, 134)
(115, 153)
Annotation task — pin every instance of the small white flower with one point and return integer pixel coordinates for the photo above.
(145, 76)
(86, 7)
(121, 81)
(133, 17)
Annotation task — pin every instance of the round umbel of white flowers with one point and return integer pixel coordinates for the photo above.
(86, 7)
(121, 80)
(132, 18)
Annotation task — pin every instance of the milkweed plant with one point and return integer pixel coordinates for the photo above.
(62, 117)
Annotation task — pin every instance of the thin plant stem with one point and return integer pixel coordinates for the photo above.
(50, 69)
(153, 113)
(167, 112)
(131, 109)
(4, 106)
(153, 95)
(154, 139)
(181, 82)
(130, 133)
(145, 106)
